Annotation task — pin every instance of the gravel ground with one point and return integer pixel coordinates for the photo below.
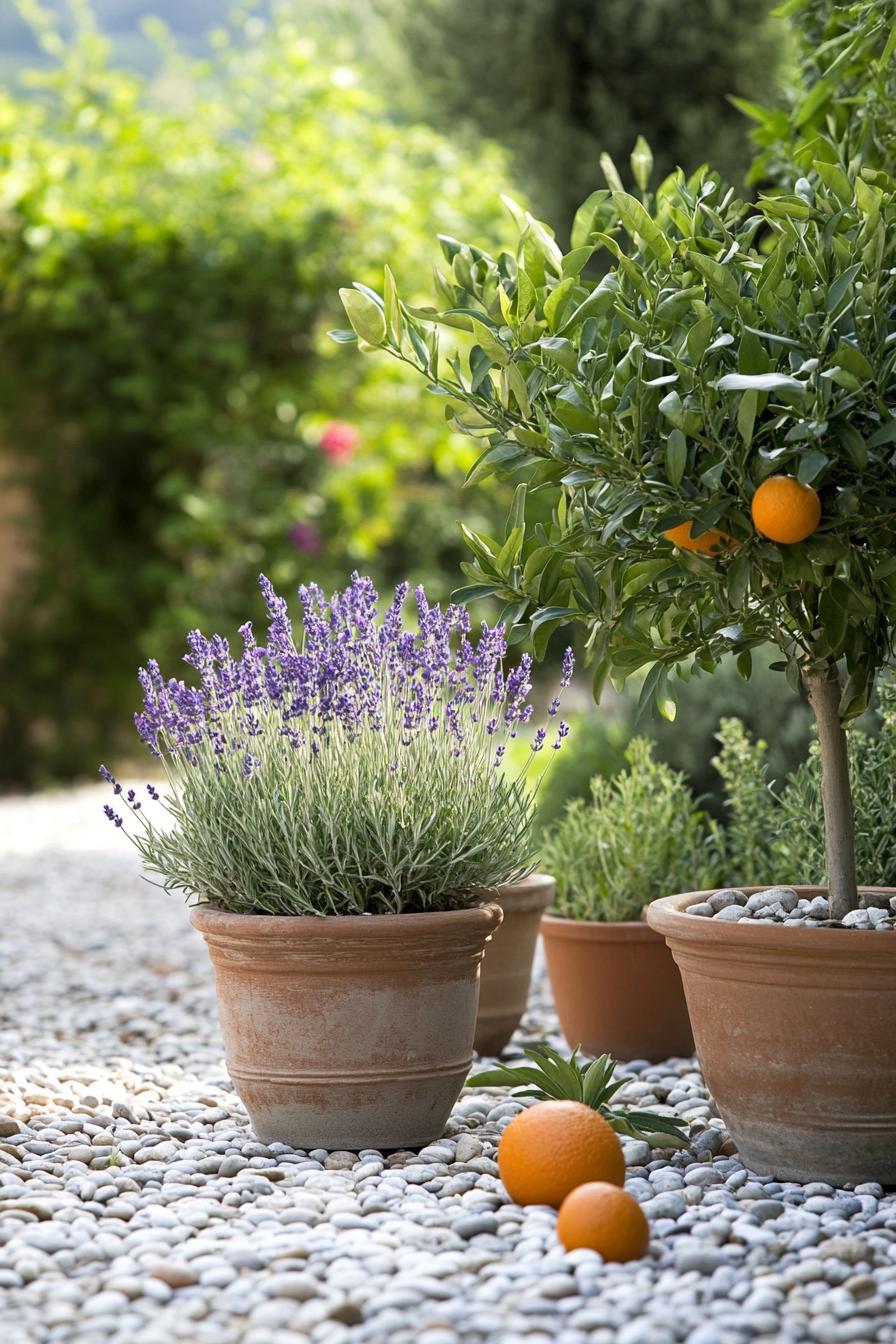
(136, 1207)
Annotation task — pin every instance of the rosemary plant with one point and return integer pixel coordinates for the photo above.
(356, 770)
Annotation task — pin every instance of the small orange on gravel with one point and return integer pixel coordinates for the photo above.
(601, 1217)
(553, 1146)
(785, 510)
(710, 542)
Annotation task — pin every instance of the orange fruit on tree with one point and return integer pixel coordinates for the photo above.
(710, 542)
(785, 510)
(601, 1217)
(553, 1146)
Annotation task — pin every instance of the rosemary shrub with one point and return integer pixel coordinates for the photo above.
(356, 770)
(641, 835)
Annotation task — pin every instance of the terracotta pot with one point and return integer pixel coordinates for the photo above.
(616, 989)
(795, 1035)
(348, 1031)
(507, 966)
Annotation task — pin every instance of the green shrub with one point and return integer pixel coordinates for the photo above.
(843, 86)
(779, 836)
(641, 836)
(560, 81)
(169, 256)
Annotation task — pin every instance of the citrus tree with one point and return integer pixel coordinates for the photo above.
(714, 420)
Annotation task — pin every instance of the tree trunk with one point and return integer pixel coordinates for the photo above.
(836, 794)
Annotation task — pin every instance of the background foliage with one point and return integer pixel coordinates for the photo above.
(561, 81)
(168, 267)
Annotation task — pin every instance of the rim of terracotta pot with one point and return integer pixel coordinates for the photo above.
(598, 930)
(534, 892)
(324, 939)
(875, 947)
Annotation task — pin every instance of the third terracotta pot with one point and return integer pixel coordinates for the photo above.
(795, 1035)
(507, 965)
(616, 988)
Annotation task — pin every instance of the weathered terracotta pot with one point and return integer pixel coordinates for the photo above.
(349, 1031)
(616, 989)
(507, 966)
(795, 1034)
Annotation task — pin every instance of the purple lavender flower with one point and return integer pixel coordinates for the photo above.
(349, 671)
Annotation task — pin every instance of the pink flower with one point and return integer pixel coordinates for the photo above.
(304, 537)
(339, 440)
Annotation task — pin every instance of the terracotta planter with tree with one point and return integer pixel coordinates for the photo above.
(335, 807)
(715, 420)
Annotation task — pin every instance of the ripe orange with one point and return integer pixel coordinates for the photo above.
(710, 542)
(601, 1217)
(550, 1148)
(785, 510)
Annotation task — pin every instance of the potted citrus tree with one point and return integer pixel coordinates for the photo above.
(714, 417)
(616, 986)
(337, 810)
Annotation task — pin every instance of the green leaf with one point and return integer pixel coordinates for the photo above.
(590, 218)
(850, 439)
(746, 416)
(343, 337)
(473, 592)
(394, 319)
(642, 163)
(812, 464)
(759, 382)
(611, 173)
(366, 317)
(676, 456)
(556, 301)
(699, 337)
(885, 433)
(638, 223)
(720, 279)
(833, 176)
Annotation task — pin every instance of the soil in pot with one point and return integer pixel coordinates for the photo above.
(795, 1034)
(616, 988)
(507, 965)
(348, 1031)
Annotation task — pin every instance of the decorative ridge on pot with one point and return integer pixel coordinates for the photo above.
(576, 930)
(348, 939)
(530, 893)
(819, 951)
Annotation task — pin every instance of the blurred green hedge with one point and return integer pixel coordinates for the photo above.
(170, 254)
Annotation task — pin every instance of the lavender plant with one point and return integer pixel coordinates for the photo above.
(358, 769)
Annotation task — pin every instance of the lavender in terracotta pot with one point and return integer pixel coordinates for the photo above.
(337, 806)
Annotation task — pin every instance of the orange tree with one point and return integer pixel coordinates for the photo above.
(732, 349)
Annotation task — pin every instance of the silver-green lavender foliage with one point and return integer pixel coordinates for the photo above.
(774, 837)
(641, 835)
(357, 769)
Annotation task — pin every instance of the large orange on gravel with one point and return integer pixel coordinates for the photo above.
(553, 1146)
(710, 542)
(601, 1217)
(785, 510)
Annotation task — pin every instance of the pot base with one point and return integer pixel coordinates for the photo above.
(351, 1115)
